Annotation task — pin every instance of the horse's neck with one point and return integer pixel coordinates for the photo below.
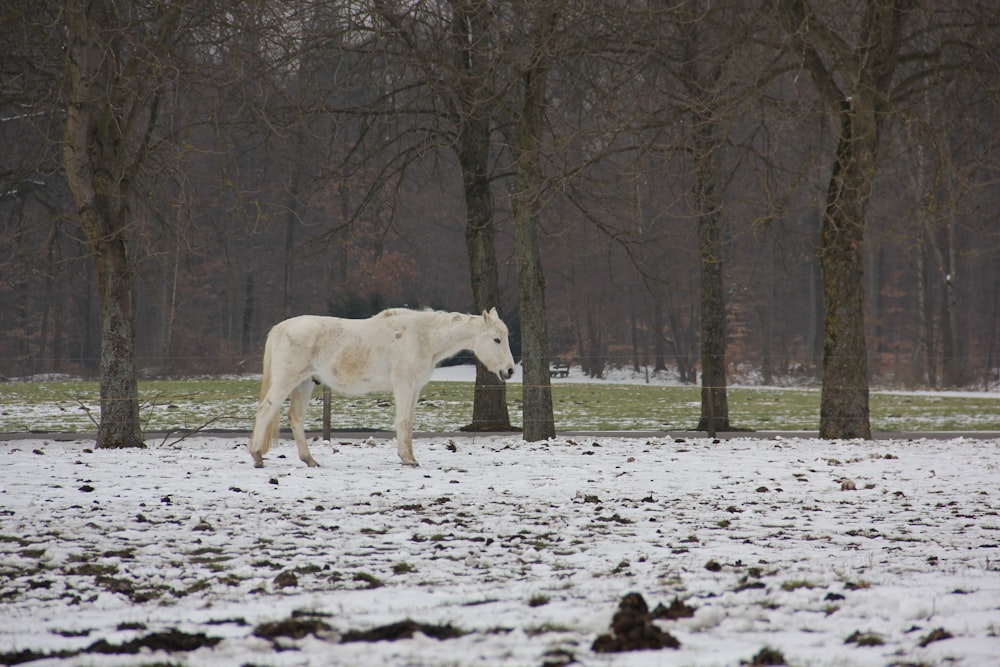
(455, 336)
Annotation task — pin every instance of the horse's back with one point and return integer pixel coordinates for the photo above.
(351, 356)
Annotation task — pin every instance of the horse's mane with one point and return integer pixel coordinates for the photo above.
(436, 314)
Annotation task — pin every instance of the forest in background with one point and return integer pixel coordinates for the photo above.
(304, 162)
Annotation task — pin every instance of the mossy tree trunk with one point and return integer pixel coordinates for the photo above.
(714, 398)
(844, 404)
(539, 422)
(112, 108)
(853, 76)
(471, 35)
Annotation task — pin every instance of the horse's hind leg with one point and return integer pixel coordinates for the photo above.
(266, 424)
(297, 417)
(406, 406)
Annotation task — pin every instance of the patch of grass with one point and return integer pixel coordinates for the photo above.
(936, 635)
(201, 551)
(230, 580)
(796, 584)
(747, 584)
(72, 406)
(865, 639)
(197, 587)
(370, 580)
(93, 569)
(403, 568)
(546, 628)
(538, 600)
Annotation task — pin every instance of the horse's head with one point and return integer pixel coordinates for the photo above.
(492, 346)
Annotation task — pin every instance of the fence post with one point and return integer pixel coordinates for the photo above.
(326, 413)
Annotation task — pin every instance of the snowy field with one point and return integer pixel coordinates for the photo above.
(501, 552)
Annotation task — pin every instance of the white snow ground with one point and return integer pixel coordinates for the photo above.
(794, 544)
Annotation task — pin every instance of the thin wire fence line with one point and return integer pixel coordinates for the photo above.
(148, 394)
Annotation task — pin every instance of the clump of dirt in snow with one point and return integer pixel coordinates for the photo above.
(170, 641)
(677, 609)
(296, 627)
(632, 629)
(402, 630)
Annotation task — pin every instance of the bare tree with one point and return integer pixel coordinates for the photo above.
(475, 98)
(700, 78)
(638, 141)
(851, 58)
(529, 185)
(115, 92)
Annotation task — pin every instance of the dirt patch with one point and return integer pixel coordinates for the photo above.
(676, 610)
(402, 630)
(27, 655)
(170, 641)
(632, 629)
(296, 627)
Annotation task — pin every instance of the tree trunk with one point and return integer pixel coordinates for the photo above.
(98, 169)
(489, 407)
(470, 27)
(43, 335)
(953, 366)
(844, 405)
(634, 330)
(659, 355)
(714, 400)
(539, 423)
(119, 377)
(858, 90)
(701, 73)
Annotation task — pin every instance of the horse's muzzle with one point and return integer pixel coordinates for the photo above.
(505, 373)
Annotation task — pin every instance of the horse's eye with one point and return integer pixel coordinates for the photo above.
(496, 340)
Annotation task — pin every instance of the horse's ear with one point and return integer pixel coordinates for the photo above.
(493, 313)
(486, 316)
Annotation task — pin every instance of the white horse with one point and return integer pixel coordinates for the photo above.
(395, 350)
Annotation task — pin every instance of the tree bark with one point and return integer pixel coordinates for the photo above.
(844, 404)
(658, 351)
(714, 399)
(470, 28)
(704, 63)
(102, 151)
(539, 423)
(856, 82)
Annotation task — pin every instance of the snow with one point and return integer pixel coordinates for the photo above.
(790, 543)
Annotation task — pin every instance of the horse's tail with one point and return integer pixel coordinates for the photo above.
(270, 430)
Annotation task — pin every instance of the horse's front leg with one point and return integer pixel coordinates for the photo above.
(297, 418)
(406, 407)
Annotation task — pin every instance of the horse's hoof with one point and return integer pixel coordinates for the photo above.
(258, 461)
(311, 463)
(411, 464)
